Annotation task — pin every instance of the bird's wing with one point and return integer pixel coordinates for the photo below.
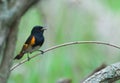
(29, 43)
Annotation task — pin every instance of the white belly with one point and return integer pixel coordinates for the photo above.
(30, 49)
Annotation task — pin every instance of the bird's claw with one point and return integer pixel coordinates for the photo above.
(28, 57)
(42, 52)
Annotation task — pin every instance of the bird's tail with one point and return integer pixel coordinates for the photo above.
(19, 56)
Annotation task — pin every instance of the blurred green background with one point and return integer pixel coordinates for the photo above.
(67, 21)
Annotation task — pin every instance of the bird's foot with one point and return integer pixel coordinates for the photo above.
(42, 52)
(28, 57)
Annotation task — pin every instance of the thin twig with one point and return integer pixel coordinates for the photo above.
(66, 44)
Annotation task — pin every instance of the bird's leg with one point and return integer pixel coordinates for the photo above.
(41, 51)
(28, 57)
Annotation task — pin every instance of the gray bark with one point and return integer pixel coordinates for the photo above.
(107, 75)
(10, 14)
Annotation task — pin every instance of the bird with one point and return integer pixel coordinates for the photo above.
(33, 42)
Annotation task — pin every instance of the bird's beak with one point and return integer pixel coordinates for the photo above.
(44, 28)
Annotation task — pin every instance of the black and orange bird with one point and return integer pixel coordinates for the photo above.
(33, 43)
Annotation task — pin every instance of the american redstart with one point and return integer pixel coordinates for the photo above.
(33, 43)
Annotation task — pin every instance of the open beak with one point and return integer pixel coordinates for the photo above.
(44, 28)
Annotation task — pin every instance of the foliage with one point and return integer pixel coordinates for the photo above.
(74, 62)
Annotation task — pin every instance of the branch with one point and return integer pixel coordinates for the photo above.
(7, 59)
(19, 9)
(107, 75)
(96, 70)
(9, 16)
(64, 80)
(65, 44)
(9, 20)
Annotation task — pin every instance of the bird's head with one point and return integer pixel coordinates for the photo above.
(38, 29)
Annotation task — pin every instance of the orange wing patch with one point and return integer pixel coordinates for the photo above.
(32, 42)
(25, 47)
